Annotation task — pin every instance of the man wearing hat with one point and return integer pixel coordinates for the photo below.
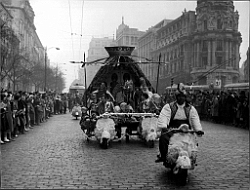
(173, 115)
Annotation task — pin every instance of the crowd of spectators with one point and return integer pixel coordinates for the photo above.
(22, 111)
(224, 107)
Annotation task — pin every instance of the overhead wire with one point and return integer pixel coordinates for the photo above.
(214, 69)
(72, 35)
(80, 39)
(81, 32)
(71, 30)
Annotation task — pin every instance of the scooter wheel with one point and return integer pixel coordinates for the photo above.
(151, 144)
(182, 176)
(104, 143)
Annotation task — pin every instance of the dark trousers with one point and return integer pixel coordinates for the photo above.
(163, 145)
(21, 126)
(37, 116)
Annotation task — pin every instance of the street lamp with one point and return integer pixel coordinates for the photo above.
(45, 63)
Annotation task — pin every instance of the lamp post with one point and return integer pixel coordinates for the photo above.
(158, 70)
(45, 65)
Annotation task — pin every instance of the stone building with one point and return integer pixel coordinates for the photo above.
(9, 44)
(96, 51)
(199, 47)
(216, 43)
(96, 48)
(24, 29)
(246, 67)
(126, 36)
(173, 51)
(146, 44)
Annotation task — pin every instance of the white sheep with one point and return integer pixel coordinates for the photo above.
(148, 128)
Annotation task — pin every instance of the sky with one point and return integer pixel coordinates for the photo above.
(70, 24)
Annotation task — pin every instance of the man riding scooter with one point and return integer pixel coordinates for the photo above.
(172, 116)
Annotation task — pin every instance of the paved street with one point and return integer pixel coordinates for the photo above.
(54, 156)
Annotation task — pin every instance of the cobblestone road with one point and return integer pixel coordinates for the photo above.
(55, 156)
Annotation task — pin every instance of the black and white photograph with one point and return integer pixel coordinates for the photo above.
(120, 94)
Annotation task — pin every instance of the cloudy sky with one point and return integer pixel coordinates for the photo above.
(70, 24)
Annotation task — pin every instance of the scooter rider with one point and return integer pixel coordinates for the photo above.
(173, 115)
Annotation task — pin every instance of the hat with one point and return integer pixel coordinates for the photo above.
(84, 108)
(180, 90)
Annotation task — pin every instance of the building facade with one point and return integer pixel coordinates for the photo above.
(30, 45)
(9, 44)
(216, 43)
(146, 44)
(199, 47)
(126, 36)
(246, 67)
(173, 53)
(96, 51)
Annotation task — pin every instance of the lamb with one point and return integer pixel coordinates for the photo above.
(148, 129)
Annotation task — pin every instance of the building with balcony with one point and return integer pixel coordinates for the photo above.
(199, 47)
(173, 51)
(146, 45)
(24, 29)
(216, 42)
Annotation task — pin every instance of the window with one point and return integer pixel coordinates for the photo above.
(218, 60)
(204, 46)
(181, 65)
(231, 23)
(204, 61)
(205, 24)
(181, 49)
(219, 24)
(127, 40)
(219, 45)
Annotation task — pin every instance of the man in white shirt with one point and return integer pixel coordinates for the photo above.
(172, 116)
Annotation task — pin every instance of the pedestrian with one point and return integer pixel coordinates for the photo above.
(9, 116)
(215, 107)
(22, 106)
(4, 123)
